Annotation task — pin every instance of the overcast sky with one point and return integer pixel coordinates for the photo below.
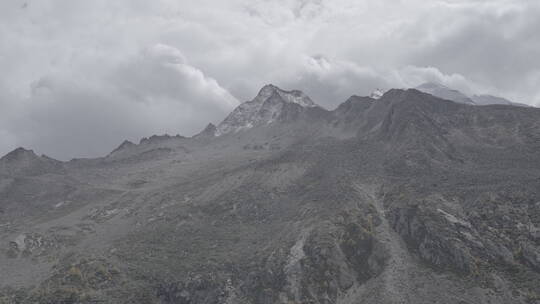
(77, 77)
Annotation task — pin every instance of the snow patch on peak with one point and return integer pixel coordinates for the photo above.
(377, 94)
(265, 108)
(294, 96)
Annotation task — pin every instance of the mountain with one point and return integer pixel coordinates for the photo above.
(209, 131)
(406, 199)
(441, 91)
(20, 162)
(483, 100)
(377, 94)
(444, 92)
(270, 105)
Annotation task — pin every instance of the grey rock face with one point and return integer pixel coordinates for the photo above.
(209, 131)
(123, 146)
(22, 162)
(406, 199)
(272, 104)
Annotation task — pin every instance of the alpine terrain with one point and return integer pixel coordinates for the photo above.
(401, 197)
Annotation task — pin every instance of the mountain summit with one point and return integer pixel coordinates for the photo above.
(20, 154)
(444, 92)
(377, 94)
(23, 162)
(270, 105)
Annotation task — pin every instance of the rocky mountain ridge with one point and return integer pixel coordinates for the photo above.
(408, 198)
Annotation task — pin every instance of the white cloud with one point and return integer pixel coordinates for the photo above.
(152, 93)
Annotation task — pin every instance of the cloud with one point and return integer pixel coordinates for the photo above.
(153, 93)
(333, 81)
(490, 43)
(78, 77)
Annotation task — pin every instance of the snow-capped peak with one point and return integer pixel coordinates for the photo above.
(23, 161)
(377, 94)
(265, 108)
(293, 96)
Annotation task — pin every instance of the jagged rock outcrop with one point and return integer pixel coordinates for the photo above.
(272, 104)
(209, 131)
(20, 162)
(158, 138)
(125, 145)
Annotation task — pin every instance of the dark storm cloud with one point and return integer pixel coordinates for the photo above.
(78, 77)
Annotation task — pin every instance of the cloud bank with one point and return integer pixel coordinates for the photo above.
(78, 77)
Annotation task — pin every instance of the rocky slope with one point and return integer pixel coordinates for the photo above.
(405, 199)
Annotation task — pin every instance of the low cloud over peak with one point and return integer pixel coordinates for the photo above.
(79, 77)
